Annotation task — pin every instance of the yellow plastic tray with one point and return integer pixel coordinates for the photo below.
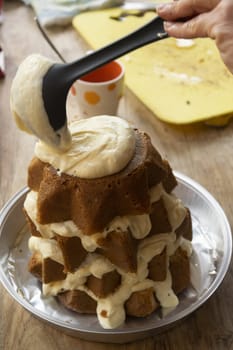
(181, 82)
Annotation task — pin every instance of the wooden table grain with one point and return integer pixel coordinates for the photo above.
(203, 153)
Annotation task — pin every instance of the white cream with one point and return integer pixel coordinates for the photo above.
(156, 192)
(174, 206)
(94, 264)
(164, 292)
(113, 305)
(185, 43)
(65, 228)
(114, 315)
(48, 248)
(101, 146)
(154, 245)
(183, 78)
(139, 225)
(27, 104)
(175, 209)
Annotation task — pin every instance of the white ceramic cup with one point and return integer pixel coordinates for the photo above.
(99, 92)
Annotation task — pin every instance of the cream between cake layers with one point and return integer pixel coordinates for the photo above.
(108, 235)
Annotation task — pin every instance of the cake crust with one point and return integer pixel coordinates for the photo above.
(93, 203)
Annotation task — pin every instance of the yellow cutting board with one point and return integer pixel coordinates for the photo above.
(179, 81)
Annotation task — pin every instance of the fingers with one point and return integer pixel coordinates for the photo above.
(197, 27)
(185, 8)
(174, 11)
(226, 51)
(207, 18)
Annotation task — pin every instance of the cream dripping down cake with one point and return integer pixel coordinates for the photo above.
(108, 236)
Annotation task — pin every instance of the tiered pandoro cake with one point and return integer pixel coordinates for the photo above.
(107, 234)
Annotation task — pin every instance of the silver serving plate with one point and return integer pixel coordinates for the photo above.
(212, 249)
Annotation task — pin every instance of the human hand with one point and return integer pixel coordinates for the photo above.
(209, 18)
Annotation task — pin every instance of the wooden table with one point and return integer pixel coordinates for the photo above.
(201, 152)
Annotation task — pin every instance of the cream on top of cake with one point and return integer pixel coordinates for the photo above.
(101, 146)
(27, 103)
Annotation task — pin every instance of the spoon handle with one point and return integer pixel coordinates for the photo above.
(150, 32)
